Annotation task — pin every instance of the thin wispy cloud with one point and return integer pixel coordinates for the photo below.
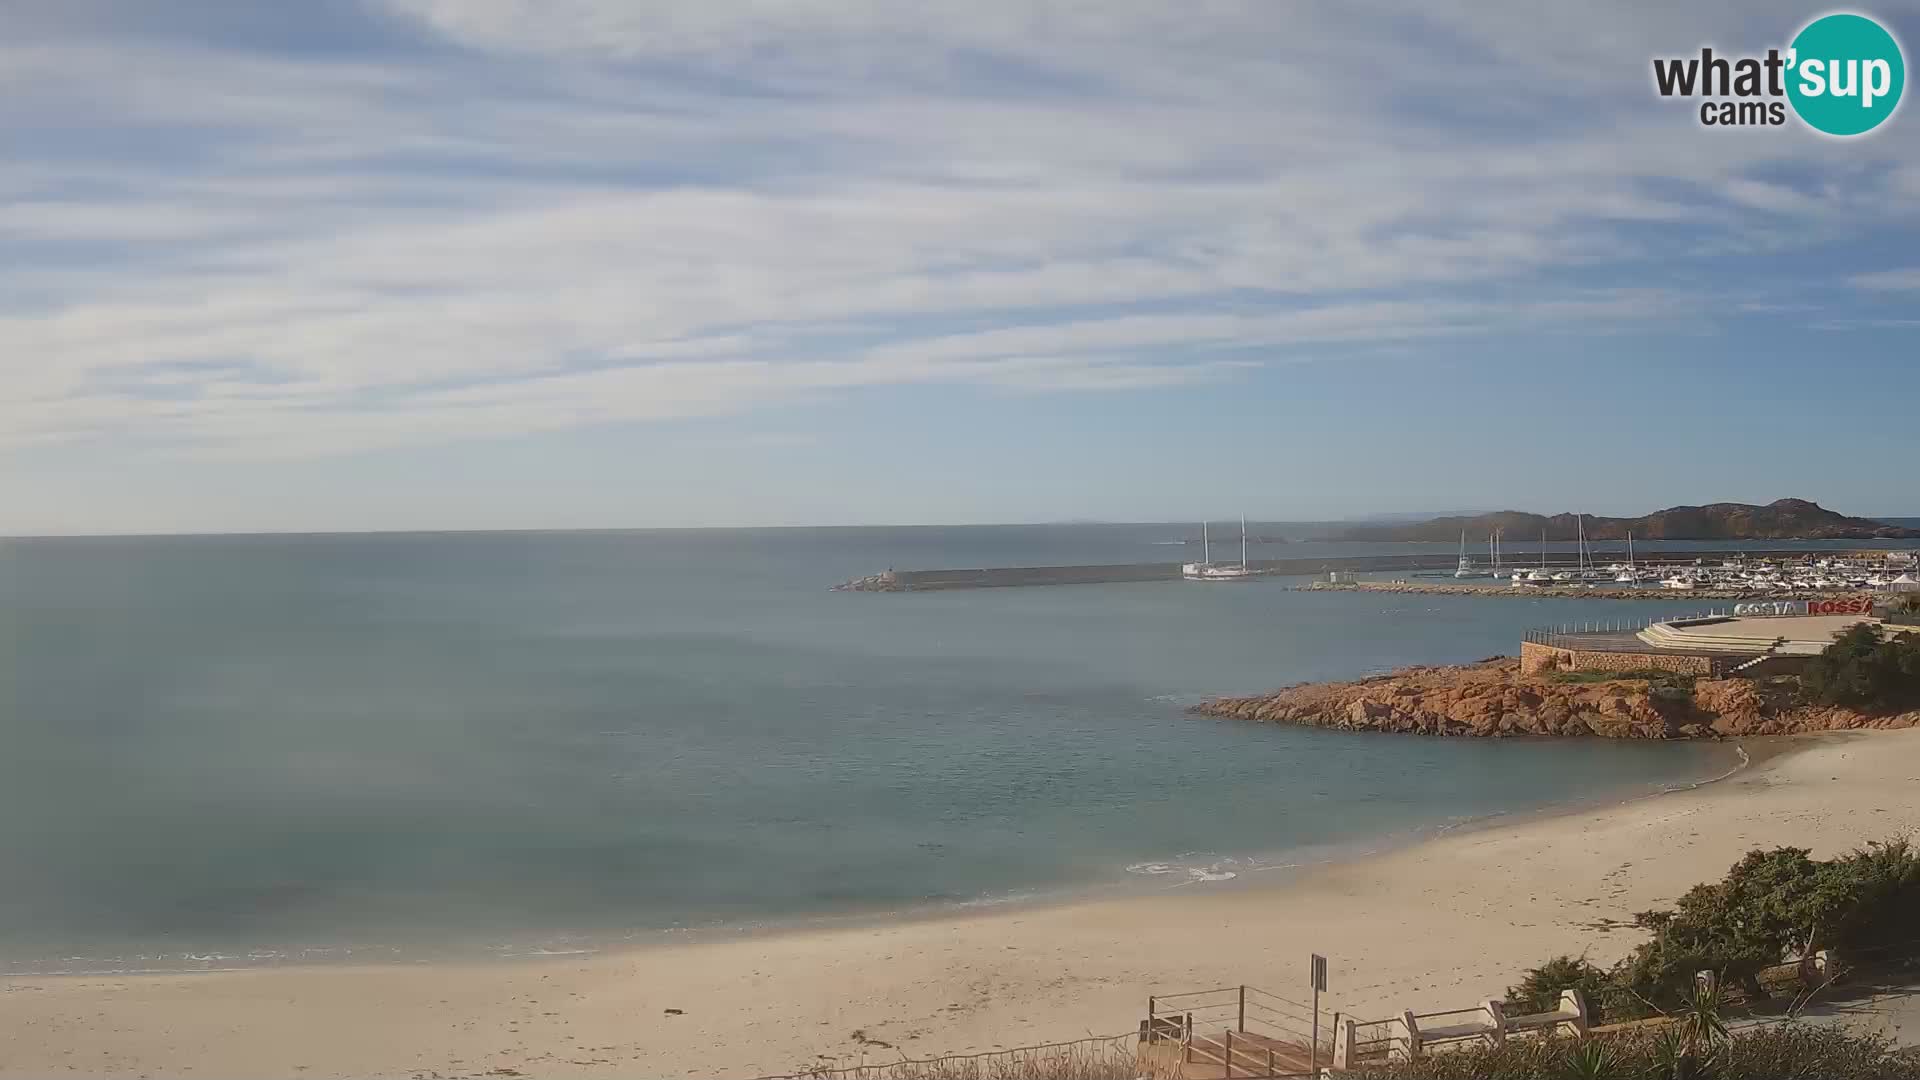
(1888, 280)
(361, 225)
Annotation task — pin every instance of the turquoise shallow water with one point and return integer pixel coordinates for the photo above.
(251, 749)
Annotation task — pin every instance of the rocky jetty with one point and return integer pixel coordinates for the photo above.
(1492, 699)
(881, 582)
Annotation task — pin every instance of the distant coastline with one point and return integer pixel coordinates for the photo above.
(1783, 519)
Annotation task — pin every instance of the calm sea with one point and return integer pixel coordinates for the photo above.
(224, 750)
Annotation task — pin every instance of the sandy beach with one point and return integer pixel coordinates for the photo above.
(1448, 921)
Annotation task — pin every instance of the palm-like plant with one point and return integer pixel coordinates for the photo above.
(1676, 1058)
(1590, 1061)
(1692, 1047)
(1700, 1019)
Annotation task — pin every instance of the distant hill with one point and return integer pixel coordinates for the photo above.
(1400, 517)
(1786, 519)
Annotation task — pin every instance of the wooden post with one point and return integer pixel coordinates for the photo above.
(1227, 1057)
(1243, 1007)
(1270, 1071)
(1412, 1025)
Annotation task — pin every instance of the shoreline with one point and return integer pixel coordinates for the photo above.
(1435, 924)
(1249, 873)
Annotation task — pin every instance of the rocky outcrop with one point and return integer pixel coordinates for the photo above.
(1492, 699)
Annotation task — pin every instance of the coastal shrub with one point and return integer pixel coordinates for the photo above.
(1778, 1051)
(1515, 1059)
(1770, 1052)
(1088, 1059)
(1865, 668)
(1775, 905)
(1763, 910)
(1876, 891)
(1539, 989)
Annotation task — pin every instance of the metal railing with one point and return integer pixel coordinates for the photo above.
(1243, 1031)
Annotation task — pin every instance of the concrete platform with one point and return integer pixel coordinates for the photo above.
(1790, 635)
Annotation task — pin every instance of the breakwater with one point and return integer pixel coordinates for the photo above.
(987, 577)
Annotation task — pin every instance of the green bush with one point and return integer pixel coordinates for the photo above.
(1874, 894)
(1539, 990)
(1779, 1051)
(1772, 1052)
(1759, 913)
(1774, 905)
(1865, 668)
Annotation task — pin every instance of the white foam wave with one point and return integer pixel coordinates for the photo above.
(1191, 868)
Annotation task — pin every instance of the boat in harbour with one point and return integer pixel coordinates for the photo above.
(1541, 576)
(1207, 570)
(1628, 575)
(1465, 569)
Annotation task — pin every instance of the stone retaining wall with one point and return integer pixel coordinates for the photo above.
(1536, 658)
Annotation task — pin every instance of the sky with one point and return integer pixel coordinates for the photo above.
(426, 264)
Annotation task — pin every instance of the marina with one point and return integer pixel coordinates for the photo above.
(1735, 572)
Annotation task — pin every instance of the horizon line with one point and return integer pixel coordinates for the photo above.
(539, 530)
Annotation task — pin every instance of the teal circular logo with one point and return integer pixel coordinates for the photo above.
(1845, 74)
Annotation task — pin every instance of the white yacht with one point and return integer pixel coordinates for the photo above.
(1627, 575)
(1465, 569)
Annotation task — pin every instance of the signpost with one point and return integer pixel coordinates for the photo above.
(1318, 974)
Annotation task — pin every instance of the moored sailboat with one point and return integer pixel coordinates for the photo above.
(1206, 570)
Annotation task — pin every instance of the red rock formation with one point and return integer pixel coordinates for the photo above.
(1493, 699)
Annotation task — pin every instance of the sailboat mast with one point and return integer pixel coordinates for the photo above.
(1206, 546)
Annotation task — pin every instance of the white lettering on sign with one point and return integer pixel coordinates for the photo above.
(1777, 607)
